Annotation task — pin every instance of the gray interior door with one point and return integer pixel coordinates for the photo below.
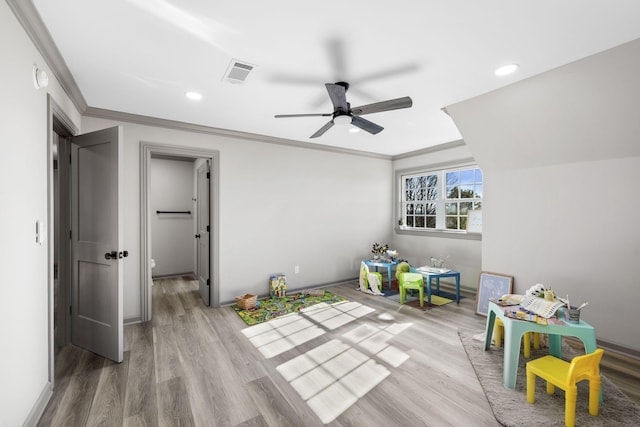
(202, 236)
(96, 276)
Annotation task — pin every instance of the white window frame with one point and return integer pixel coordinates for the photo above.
(440, 229)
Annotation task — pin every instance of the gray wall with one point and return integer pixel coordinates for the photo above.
(172, 235)
(280, 206)
(24, 321)
(561, 159)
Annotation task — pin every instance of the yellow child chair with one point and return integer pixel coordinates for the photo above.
(498, 336)
(411, 281)
(557, 372)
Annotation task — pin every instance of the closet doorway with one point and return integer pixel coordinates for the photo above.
(179, 194)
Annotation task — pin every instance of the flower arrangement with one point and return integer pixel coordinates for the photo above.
(377, 249)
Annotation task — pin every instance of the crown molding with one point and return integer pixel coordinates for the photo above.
(191, 127)
(33, 25)
(432, 149)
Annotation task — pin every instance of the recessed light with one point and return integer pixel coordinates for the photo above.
(354, 130)
(506, 69)
(194, 96)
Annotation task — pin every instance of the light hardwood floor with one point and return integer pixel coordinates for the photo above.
(375, 363)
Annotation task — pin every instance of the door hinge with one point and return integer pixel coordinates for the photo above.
(207, 228)
(69, 234)
(70, 311)
(208, 175)
(208, 282)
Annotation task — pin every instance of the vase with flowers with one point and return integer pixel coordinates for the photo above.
(378, 250)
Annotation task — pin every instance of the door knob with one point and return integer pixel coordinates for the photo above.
(197, 236)
(111, 255)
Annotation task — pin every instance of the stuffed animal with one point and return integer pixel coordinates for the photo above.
(402, 267)
(536, 290)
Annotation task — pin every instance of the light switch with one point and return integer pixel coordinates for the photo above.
(41, 233)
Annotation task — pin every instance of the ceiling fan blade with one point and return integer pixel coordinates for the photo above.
(280, 116)
(322, 130)
(338, 96)
(337, 56)
(383, 74)
(364, 124)
(376, 107)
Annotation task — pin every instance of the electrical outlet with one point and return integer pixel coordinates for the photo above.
(296, 269)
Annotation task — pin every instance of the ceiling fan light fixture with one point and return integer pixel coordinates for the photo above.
(505, 70)
(342, 120)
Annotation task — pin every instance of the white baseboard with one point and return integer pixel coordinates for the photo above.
(39, 407)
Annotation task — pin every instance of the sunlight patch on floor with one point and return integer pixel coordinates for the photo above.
(284, 333)
(332, 377)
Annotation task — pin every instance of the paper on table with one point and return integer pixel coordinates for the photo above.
(433, 270)
(540, 306)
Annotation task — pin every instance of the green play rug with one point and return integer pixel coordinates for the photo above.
(271, 308)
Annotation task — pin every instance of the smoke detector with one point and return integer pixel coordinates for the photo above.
(237, 71)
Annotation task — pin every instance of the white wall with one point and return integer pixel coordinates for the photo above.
(561, 163)
(464, 254)
(280, 206)
(23, 190)
(172, 235)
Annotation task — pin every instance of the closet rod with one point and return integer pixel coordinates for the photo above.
(174, 212)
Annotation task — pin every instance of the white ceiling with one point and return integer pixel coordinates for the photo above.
(141, 56)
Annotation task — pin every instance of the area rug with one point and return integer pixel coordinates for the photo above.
(271, 308)
(511, 408)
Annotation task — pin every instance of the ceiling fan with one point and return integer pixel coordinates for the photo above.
(342, 110)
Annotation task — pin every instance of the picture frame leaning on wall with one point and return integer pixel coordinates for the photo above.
(491, 286)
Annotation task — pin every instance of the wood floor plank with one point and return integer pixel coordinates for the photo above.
(271, 403)
(162, 309)
(172, 290)
(67, 360)
(167, 358)
(188, 298)
(210, 375)
(174, 407)
(198, 382)
(141, 393)
(108, 409)
(257, 421)
(76, 404)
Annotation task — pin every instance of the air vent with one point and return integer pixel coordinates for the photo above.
(237, 72)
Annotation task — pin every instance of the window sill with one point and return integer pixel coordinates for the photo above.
(448, 234)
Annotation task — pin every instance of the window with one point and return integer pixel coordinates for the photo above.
(440, 200)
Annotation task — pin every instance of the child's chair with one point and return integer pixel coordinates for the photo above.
(498, 336)
(413, 281)
(557, 372)
(370, 279)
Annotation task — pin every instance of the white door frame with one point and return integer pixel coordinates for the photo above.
(202, 230)
(146, 150)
